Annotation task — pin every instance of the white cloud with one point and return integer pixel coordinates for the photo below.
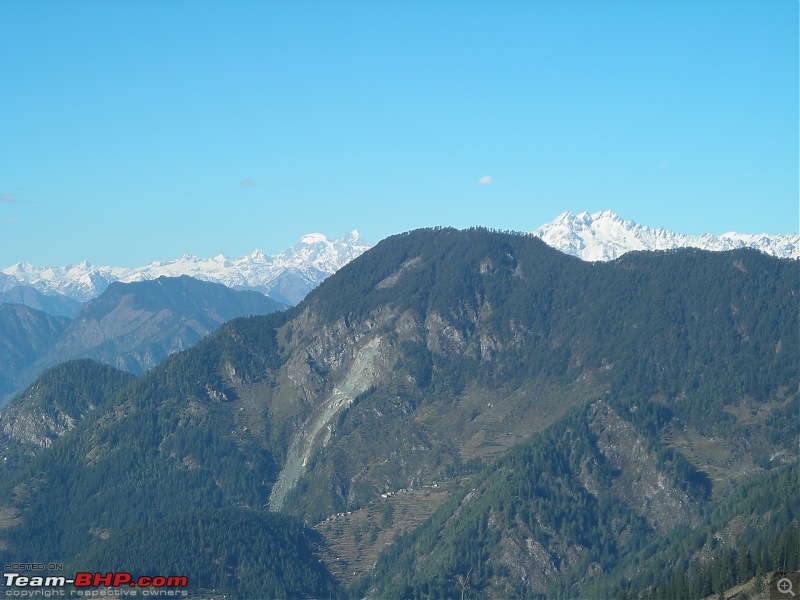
(486, 180)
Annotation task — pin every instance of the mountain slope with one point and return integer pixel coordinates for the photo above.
(130, 326)
(177, 431)
(26, 334)
(57, 305)
(135, 326)
(59, 400)
(606, 236)
(431, 356)
(237, 552)
(593, 506)
(506, 334)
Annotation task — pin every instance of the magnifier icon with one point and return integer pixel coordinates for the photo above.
(785, 586)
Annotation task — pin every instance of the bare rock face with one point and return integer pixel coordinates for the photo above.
(38, 429)
(330, 366)
(529, 562)
(52, 407)
(369, 363)
(640, 483)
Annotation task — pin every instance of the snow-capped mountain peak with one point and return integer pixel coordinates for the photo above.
(287, 277)
(290, 275)
(314, 238)
(353, 237)
(605, 236)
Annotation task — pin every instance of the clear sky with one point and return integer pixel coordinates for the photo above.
(133, 131)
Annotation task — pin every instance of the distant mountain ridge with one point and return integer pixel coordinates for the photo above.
(25, 335)
(286, 277)
(52, 304)
(604, 236)
(131, 326)
(134, 326)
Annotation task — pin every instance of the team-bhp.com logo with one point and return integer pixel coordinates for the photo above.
(95, 584)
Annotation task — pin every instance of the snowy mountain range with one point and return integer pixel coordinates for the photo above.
(286, 277)
(290, 275)
(605, 236)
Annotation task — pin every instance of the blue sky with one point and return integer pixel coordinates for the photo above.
(139, 131)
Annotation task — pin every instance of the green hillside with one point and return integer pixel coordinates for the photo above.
(555, 419)
(232, 551)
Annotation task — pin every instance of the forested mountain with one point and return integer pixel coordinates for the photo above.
(573, 413)
(595, 506)
(59, 399)
(132, 326)
(259, 555)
